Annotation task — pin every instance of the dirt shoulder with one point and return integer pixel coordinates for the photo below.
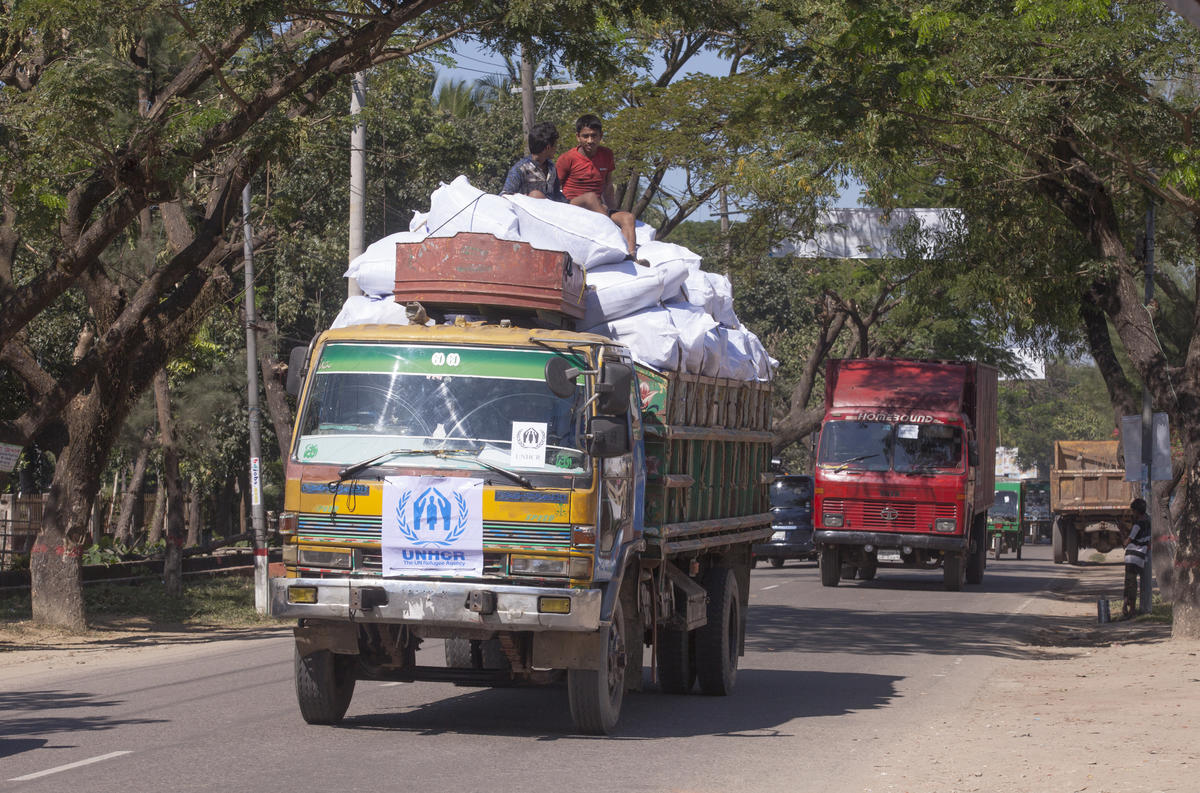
(1111, 708)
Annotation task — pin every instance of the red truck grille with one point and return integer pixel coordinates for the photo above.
(889, 515)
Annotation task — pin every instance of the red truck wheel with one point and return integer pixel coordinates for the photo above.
(954, 571)
(831, 566)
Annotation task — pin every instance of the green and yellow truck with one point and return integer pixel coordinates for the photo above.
(1004, 518)
(527, 495)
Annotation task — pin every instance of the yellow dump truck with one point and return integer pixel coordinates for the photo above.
(1089, 498)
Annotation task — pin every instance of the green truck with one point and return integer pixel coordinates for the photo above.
(1004, 518)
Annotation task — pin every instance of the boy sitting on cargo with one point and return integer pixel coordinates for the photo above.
(586, 175)
(535, 175)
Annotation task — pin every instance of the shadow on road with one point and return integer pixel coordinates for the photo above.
(765, 702)
(800, 629)
(11, 702)
(14, 746)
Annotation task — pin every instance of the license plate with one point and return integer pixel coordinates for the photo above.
(779, 535)
(888, 556)
(784, 526)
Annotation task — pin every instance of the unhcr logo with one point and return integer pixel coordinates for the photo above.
(433, 521)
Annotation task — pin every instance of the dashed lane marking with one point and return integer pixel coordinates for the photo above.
(68, 766)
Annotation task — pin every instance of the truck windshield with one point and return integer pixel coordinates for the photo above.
(369, 399)
(1005, 505)
(883, 446)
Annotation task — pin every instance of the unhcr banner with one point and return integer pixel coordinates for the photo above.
(432, 524)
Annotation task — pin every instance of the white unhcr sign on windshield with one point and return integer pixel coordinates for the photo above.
(529, 443)
(432, 524)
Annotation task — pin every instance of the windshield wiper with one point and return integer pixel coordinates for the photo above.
(846, 463)
(465, 454)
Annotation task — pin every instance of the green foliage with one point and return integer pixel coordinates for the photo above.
(1071, 403)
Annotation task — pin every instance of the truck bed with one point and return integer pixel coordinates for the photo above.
(708, 453)
(1087, 478)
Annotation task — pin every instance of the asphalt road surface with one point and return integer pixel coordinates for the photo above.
(832, 679)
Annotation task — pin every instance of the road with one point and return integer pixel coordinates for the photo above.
(832, 681)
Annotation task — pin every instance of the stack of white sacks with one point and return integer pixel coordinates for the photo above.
(672, 315)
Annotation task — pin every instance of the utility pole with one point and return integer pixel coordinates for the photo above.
(527, 103)
(257, 510)
(358, 171)
(1147, 592)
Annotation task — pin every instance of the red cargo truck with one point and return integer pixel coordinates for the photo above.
(905, 467)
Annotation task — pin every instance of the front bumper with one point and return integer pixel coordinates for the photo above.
(883, 539)
(437, 603)
(786, 549)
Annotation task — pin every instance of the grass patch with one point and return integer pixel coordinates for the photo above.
(226, 601)
(1161, 611)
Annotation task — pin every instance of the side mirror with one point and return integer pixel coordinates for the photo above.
(295, 375)
(609, 436)
(561, 377)
(972, 454)
(615, 381)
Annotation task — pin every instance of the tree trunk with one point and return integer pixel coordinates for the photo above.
(193, 514)
(154, 532)
(223, 513)
(274, 375)
(173, 561)
(132, 498)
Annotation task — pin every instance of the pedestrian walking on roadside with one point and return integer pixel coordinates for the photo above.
(1137, 546)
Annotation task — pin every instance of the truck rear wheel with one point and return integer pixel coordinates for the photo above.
(1056, 541)
(324, 685)
(977, 551)
(869, 567)
(676, 661)
(718, 641)
(831, 567)
(595, 695)
(954, 571)
(1071, 543)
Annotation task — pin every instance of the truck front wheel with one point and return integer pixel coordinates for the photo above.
(718, 641)
(595, 695)
(324, 685)
(831, 566)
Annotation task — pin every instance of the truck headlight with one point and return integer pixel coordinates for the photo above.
(338, 560)
(945, 524)
(538, 565)
(832, 519)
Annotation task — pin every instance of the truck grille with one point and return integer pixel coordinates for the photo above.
(360, 529)
(889, 515)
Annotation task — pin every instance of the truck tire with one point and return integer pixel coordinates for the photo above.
(976, 561)
(954, 571)
(776, 562)
(831, 568)
(324, 685)
(676, 661)
(1071, 543)
(1056, 541)
(869, 567)
(458, 654)
(595, 695)
(849, 572)
(718, 641)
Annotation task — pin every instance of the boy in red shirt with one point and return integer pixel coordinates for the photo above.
(586, 176)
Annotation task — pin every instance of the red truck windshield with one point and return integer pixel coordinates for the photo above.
(884, 446)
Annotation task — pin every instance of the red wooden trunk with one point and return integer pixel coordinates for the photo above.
(471, 270)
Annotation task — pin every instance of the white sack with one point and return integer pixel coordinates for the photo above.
(375, 268)
(367, 310)
(620, 289)
(661, 252)
(418, 222)
(459, 206)
(714, 293)
(589, 237)
(739, 363)
(650, 335)
(643, 232)
(693, 324)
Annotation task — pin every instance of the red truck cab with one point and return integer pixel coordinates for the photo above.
(905, 467)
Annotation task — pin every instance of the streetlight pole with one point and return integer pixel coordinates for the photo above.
(358, 174)
(1147, 581)
(257, 510)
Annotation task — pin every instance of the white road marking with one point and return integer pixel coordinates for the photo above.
(772, 586)
(68, 766)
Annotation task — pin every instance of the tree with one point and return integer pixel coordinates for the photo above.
(81, 172)
(1049, 123)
